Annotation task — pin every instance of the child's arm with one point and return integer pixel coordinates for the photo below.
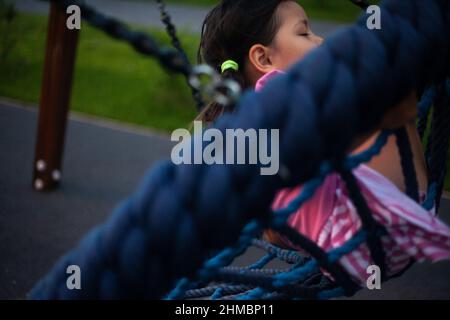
(388, 162)
(399, 116)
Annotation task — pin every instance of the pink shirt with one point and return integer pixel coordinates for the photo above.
(330, 219)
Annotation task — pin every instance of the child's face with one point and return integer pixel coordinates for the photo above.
(294, 38)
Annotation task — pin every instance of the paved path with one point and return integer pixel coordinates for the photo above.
(103, 164)
(147, 14)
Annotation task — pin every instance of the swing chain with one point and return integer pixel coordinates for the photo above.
(224, 91)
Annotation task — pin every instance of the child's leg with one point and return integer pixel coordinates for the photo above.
(274, 238)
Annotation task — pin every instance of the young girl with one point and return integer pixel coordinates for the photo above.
(252, 41)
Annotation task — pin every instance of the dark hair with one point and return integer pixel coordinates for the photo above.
(229, 31)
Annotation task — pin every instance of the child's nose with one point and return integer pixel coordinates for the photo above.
(318, 40)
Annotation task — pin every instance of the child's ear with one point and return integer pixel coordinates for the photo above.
(259, 57)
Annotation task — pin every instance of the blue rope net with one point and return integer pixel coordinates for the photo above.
(185, 224)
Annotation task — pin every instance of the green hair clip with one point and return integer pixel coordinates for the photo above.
(229, 64)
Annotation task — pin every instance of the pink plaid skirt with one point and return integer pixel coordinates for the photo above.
(330, 219)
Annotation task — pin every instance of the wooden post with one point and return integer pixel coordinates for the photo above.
(55, 98)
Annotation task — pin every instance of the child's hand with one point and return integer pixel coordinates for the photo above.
(274, 238)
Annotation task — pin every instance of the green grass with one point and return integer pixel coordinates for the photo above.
(332, 10)
(111, 80)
